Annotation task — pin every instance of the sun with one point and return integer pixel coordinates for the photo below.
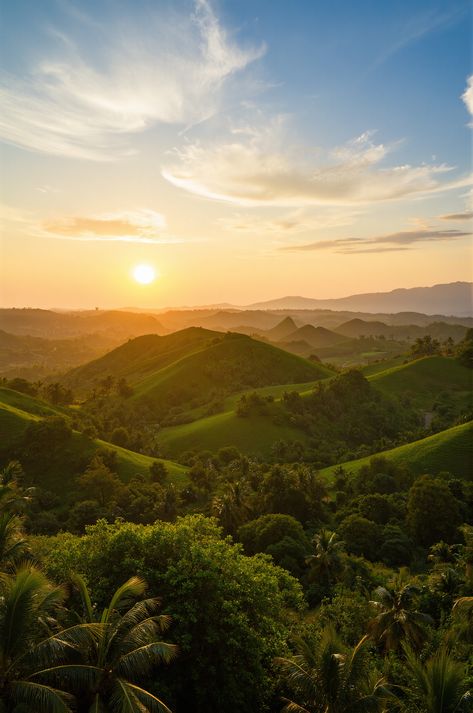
(144, 274)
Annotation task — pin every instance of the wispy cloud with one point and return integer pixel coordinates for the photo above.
(467, 96)
(466, 215)
(80, 102)
(250, 170)
(131, 226)
(382, 243)
(139, 226)
(420, 25)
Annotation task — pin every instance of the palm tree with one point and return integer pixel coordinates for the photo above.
(398, 620)
(125, 650)
(13, 546)
(440, 684)
(331, 679)
(231, 508)
(326, 560)
(30, 639)
(12, 496)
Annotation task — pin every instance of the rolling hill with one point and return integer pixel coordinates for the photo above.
(281, 330)
(58, 325)
(253, 436)
(438, 330)
(36, 357)
(195, 366)
(423, 380)
(315, 336)
(18, 411)
(139, 357)
(450, 450)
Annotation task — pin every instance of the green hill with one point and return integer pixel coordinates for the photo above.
(29, 404)
(423, 380)
(254, 435)
(139, 357)
(231, 364)
(194, 367)
(450, 450)
(315, 336)
(18, 412)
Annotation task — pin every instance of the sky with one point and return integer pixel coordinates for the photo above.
(242, 150)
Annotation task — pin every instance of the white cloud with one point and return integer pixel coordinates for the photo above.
(136, 226)
(159, 69)
(253, 171)
(467, 95)
(131, 226)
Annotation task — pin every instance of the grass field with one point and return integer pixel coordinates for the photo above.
(423, 380)
(254, 435)
(379, 366)
(31, 405)
(450, 450)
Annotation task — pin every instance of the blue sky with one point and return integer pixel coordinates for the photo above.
(313, 138)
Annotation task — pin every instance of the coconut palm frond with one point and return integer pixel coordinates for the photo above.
(38, 697)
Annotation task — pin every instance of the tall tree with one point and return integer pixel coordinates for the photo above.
(398, 619)
(31, 640)
(326, 561)
(439, 685)
(126, 649)
(328, 678)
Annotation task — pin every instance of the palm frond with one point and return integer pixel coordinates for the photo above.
(151, 703)
(132, 588)
(124, 700)
(79, 583)
(38, 697)
(140, 661)
(74, 676)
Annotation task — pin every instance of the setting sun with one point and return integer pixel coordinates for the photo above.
(144, 274)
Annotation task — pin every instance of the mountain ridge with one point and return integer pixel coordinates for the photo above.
(451, 299)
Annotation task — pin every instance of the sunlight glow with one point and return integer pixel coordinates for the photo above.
(144, 274)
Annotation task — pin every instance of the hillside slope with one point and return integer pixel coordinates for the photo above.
(315, 336)
(450, 450)
(194, 367)
(18, 411)
(423, 380)
(253, 436)
(229, 365)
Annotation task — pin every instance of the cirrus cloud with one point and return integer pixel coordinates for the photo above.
(252, 172)
(83, 99)
(382, 243)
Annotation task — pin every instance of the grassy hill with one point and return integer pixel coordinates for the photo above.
(281, 330)
(254, 435)
(139, 357)
(194, 367)
(315, 336)
(18, 411)
(423, 380)
(450, 450)
(229, 365)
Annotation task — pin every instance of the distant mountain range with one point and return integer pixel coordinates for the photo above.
(454, 298)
